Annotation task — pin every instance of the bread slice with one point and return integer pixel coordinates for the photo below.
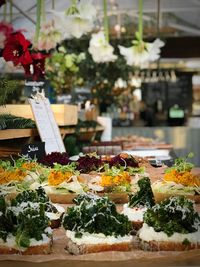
(167, 246)
(66, 198)
(76, 249)
(161, 196)
(32, 250)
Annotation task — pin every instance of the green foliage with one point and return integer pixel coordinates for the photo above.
(174, 215)
(182, 164)
(95, 215)
(27, 220)
(35, 196)
(8, 121)
(82, 70)
(2, 204)
(144, 196)
(61, 69)
(71, 145)
(31, 224)
(7, 87)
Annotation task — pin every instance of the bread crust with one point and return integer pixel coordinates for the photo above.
(75, 249)
(62, 198)
(33, 250)
(119, 198)
(166, 246)
(161, 196)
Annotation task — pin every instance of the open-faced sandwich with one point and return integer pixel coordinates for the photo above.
(94, 225)
(33, 198)
(171, 225)
(18, 175)
(139, 202)
(178, 180)
(62, 183)
(24, 229)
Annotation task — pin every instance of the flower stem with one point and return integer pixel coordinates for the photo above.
(106, 26)
(43, 14)
(140, 22)
(11, 10)
(38, 19)
(53, 4)
(5, 11)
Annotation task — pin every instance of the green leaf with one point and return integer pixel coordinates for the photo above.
(186, 242)
(22, 239)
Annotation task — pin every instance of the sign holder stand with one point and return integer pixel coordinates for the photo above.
(46, 124)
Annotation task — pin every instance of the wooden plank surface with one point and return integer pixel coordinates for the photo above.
(17, 133)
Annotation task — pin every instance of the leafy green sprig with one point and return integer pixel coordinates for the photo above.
(174, 215)
(144, 196)
(182, 164)
(95, 215)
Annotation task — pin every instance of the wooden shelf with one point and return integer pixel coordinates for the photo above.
(17, 133)
(65, 132)
(23, 133)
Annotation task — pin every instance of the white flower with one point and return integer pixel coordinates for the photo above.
(87, 9)
(133, 56)
(77, 24)
(142, 53)
(154, 49)
(49, 37)
(100, 49)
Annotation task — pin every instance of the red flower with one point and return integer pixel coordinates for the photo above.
(16, 49)
(36, 70)
(6, 28)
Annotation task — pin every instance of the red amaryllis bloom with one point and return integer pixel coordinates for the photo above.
(6, 28)
(16, 49)
(36, 69)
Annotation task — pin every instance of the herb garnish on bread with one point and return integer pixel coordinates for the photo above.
(178, 180)
(139, 202)
(24, 230)
(171, 225)
(94, 225)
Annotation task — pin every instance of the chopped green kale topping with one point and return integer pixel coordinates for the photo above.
(174, 215)
(95, 215)
(144, 197)
(23, 221)
(35, 196)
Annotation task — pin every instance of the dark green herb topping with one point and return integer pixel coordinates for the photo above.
(95, 215)
(174, 215)
(144, 197)
(35, 196)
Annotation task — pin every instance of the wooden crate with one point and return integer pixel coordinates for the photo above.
(64, 114)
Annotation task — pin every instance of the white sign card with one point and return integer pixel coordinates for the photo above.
(46, 124)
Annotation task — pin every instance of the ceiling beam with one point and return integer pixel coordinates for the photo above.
(23, 13)
(154, 10)
(184, 28)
